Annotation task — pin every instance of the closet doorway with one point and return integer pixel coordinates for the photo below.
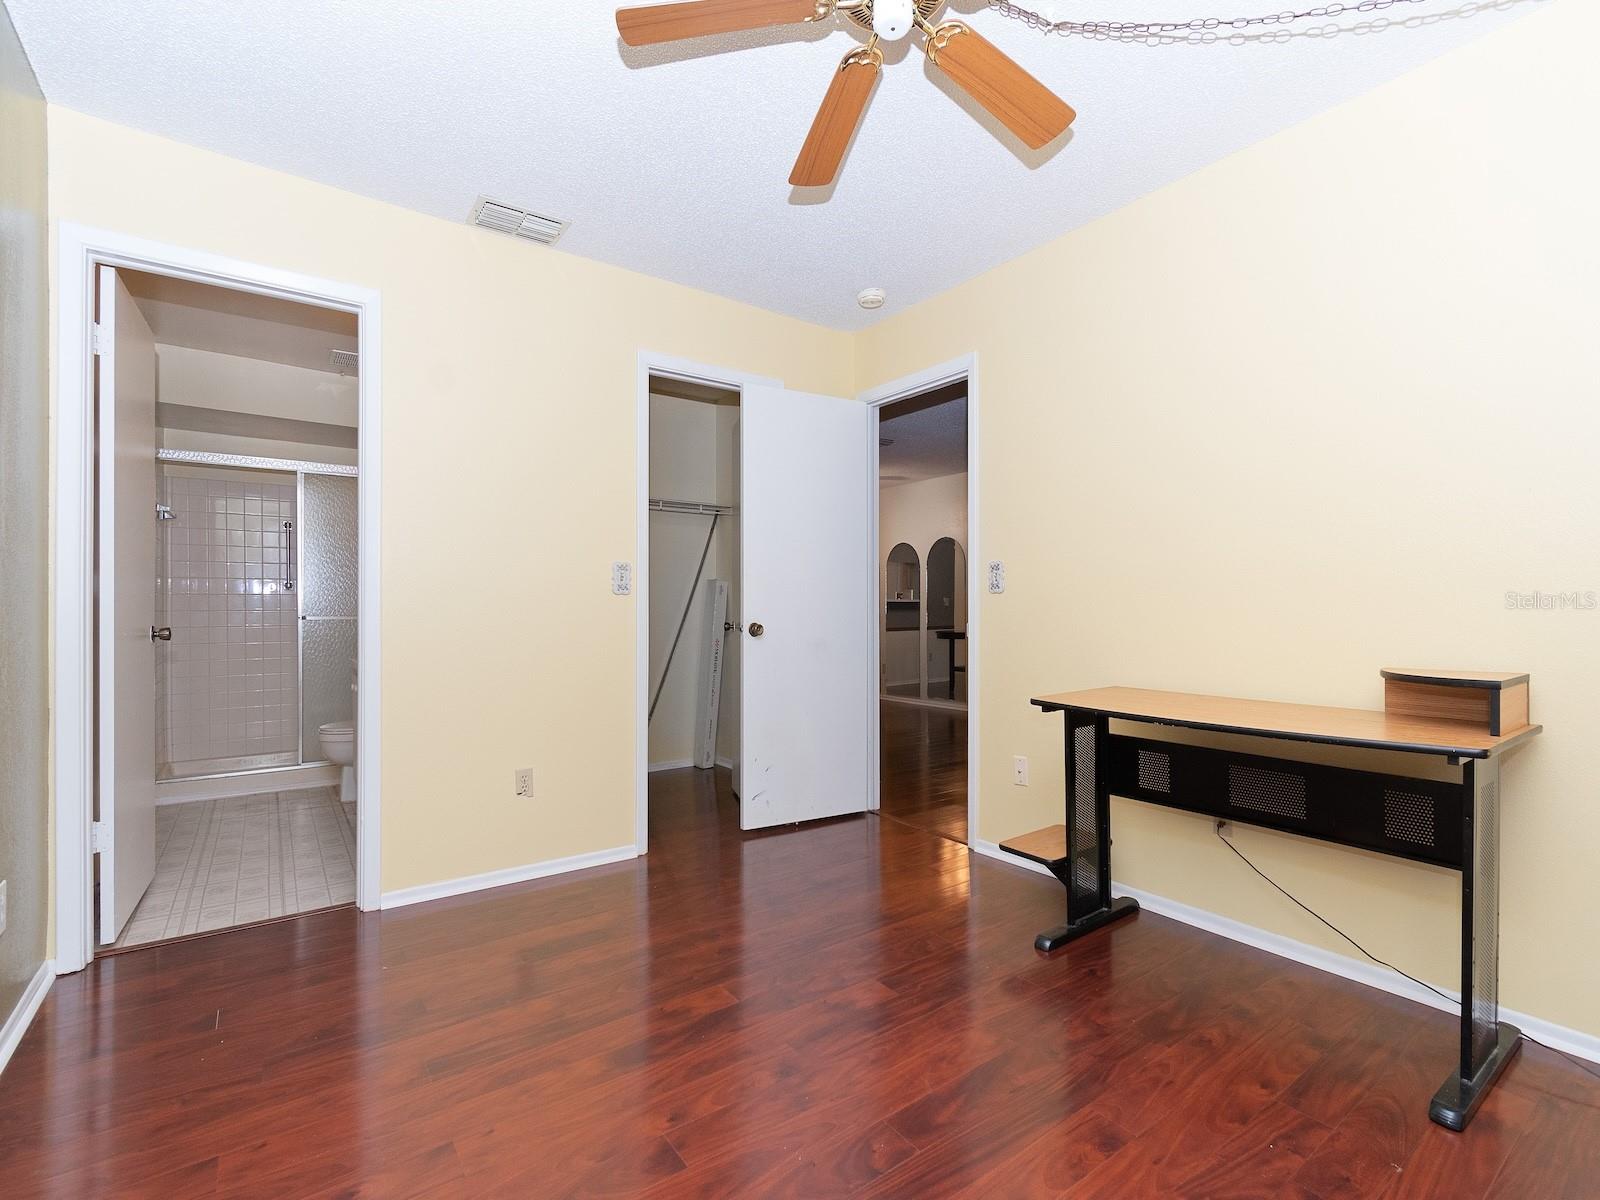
(692, 601)
(805, 712)
(924, 593)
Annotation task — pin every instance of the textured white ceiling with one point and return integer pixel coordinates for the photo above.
(674, 160)
(926, 440)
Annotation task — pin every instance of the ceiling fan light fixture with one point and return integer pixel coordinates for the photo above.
(1019, 101)
(871, 298)
(892, 19)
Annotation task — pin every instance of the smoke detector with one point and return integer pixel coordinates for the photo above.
(870, 298)
(346, 362)
(518, 222)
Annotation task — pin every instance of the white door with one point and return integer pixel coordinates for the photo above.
(126, 384)
(805, 600)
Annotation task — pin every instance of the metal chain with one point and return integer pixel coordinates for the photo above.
(1207, 29)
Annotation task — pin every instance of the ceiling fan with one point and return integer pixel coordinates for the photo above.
(1016, 99)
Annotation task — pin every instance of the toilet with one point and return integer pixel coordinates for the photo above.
(339, 744)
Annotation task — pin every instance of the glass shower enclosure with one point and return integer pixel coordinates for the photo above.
(327, 606)
(256, 579)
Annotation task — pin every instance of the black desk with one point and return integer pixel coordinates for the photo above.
(1452, 824)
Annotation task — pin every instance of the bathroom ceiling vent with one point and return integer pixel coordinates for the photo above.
(346, 362)
(518, 222)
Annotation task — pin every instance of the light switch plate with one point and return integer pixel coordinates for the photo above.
(997, 576)
(621, 579)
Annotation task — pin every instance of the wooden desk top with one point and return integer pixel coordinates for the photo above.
(1295, 722)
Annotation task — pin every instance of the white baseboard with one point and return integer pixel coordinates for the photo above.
(220, 787)
(679, 764)
(1573, 1041)
(672, 764)
(22, 1015)
(493, 879)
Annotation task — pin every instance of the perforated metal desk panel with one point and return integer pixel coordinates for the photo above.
(1451, 824)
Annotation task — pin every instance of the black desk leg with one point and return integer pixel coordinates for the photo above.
(1086, 870)
(1487, 1043)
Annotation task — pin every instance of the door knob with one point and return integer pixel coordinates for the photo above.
(164, 634)
(757, 628)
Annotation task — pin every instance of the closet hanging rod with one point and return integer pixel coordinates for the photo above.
(691, 506)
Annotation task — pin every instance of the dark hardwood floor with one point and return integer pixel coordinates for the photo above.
(852, 1008)
(924, 756)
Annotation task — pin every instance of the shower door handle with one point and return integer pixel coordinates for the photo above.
(163, 634)
(288, 556)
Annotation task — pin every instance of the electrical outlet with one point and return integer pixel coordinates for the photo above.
(1224, 828)
(2, 905)
(621, 579)
(524, 781)
(1019, 770)
(997, 576)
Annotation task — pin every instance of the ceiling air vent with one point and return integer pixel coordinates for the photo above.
(518, 222)
(346, 362)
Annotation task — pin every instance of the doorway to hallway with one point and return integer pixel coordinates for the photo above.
(925, 596)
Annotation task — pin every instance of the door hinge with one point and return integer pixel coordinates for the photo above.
(97, 338)
(97, 837)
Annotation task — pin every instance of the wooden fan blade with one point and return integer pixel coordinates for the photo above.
(836, 122)
(669, 22)
(1016, 99)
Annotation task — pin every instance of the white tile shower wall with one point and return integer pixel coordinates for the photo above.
(228, 680)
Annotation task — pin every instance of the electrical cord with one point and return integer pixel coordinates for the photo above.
(1573, 1059)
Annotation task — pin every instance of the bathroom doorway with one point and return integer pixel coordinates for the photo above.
(227, 572)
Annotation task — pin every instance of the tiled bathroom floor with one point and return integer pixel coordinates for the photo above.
(230, 862)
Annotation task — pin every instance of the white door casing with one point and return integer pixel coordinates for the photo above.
(126, 384)
(808, 707)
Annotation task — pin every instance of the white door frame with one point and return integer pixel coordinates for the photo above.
(965, 367)
(79, 251)
(670, 367)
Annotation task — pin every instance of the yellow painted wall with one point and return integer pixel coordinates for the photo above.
(24, 495)
(1310, 411)
(509, 458)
